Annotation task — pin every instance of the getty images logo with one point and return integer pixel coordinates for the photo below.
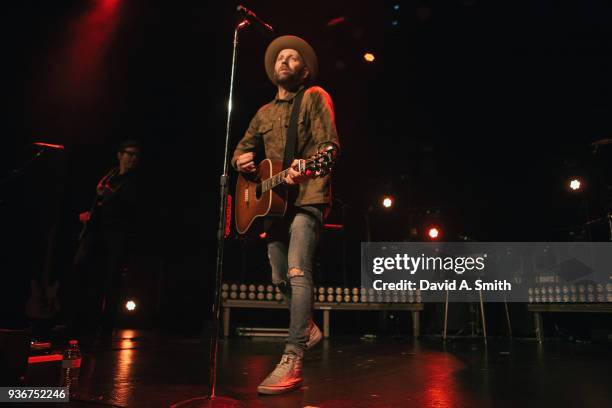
(412, 264)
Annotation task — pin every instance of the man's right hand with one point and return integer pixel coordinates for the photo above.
(245, 162)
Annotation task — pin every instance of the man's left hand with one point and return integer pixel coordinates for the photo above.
(294, 176)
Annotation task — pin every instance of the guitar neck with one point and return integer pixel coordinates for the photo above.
(279, 178)
(313, 164)
(275, 180)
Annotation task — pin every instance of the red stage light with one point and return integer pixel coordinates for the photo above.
(333, 226)
(336, 21)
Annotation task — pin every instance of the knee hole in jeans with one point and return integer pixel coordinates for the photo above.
(293, 272)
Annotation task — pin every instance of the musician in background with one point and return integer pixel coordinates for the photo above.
(291, 65)
(108, 228)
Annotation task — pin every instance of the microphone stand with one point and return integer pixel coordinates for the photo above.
(16, 172)
(212, 400)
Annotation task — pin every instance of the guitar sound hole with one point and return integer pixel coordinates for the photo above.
(258, 191)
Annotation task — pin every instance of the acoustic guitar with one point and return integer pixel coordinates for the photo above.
(260, 194)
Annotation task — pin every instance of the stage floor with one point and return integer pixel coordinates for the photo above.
(145, 369)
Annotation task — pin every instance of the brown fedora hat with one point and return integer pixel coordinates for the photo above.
(294, 43)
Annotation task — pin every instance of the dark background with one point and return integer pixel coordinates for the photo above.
(473, 116)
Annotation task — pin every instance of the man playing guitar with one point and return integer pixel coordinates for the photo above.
(103, 247)
(291, 64)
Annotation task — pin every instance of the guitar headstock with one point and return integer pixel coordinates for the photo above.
(322, 163)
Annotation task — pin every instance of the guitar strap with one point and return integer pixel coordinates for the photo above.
(292, 131)
(290, 147)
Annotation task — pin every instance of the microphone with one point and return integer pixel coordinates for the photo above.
(596, 145)
(253, 17)
(48, 145)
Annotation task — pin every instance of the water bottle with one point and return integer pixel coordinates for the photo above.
(71, 364)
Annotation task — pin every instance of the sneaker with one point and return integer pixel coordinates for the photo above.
(314, 337)
(286, 376)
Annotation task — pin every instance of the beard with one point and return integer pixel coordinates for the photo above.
(289, 79)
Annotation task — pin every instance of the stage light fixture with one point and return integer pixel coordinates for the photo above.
(369, 57)
(575, 184)
(433, 232)
(387, 201)
(130, 305)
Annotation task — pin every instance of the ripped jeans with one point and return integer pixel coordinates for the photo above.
(292, 243)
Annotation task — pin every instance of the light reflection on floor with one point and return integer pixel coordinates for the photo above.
(123, 367)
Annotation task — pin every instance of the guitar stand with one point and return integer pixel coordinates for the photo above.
(482, 317)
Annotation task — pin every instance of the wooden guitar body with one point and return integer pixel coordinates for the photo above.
(252, 205)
